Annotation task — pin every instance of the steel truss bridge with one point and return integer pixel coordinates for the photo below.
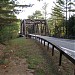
(35, 26)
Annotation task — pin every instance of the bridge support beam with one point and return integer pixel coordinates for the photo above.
(22, 29)
(21, 26)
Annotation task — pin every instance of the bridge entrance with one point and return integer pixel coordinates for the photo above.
(35, 26)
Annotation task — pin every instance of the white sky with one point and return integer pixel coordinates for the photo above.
(37, 6)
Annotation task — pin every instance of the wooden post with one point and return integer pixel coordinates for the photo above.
(60, 58)
(53, 50)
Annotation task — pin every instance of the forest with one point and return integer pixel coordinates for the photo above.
(60, 24)
(9, 24)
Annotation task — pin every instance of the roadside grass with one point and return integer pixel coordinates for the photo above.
(30, 49)
(38, 57)
(66, 68)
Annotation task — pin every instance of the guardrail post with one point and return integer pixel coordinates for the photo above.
(41, 41)
(29, 36)
(74, 69)
(53, 50)
(48, 46)
(60, 58)
(35, 37)
(44, 42)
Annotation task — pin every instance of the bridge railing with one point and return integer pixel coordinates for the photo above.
(42, 40)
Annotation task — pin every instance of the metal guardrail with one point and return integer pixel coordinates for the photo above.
(54, 46)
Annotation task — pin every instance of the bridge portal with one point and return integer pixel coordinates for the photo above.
(35, 26)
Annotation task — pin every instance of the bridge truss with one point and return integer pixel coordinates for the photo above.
(35, 26)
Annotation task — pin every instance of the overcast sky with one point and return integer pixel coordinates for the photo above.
(37, 6)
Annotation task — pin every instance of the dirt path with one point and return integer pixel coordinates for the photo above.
(16, 66)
